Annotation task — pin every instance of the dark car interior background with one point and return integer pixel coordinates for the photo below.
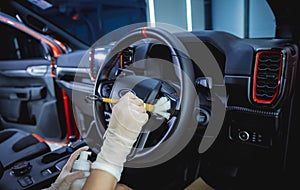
(50, 65)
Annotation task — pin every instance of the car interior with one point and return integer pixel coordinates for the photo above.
(231, 76)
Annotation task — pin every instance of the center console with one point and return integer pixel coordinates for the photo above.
(39, 172)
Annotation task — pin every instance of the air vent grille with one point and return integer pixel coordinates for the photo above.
(267, 76)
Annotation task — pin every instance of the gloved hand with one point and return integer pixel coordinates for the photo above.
(66, 177)
(127, 119)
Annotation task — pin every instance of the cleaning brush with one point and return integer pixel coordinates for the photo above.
(161, 107)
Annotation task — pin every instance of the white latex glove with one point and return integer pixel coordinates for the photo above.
(127, 119)
(66, 177)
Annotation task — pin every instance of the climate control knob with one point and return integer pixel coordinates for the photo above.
(244, 135)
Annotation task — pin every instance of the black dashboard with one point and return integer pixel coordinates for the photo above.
(259, 76)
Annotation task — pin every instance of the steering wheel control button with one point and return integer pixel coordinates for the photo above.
(203, 117)
(244, 135)
(25, 181)
(205, 82)
(21, 168)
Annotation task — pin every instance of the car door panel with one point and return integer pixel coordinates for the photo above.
(27, 99)
(28, 93)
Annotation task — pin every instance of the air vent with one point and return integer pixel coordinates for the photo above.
(267, 76)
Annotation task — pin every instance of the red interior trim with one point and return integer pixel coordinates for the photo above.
(255, 98)
(144, 32)
(121, 61)
(67, 113)
(63, 47)
(38, 137)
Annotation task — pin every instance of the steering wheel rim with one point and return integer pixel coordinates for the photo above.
(185, 120)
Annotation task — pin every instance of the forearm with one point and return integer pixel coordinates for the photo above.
(127, 119)
(100, 180)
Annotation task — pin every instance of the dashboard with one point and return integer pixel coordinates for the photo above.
(259, 76)
(258, 73)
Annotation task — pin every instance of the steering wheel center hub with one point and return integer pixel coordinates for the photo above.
(144, 87)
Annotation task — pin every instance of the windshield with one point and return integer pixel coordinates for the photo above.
(88, 20)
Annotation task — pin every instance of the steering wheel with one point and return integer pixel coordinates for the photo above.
(161, 138)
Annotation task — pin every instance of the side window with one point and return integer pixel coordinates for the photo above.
(16, 45)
